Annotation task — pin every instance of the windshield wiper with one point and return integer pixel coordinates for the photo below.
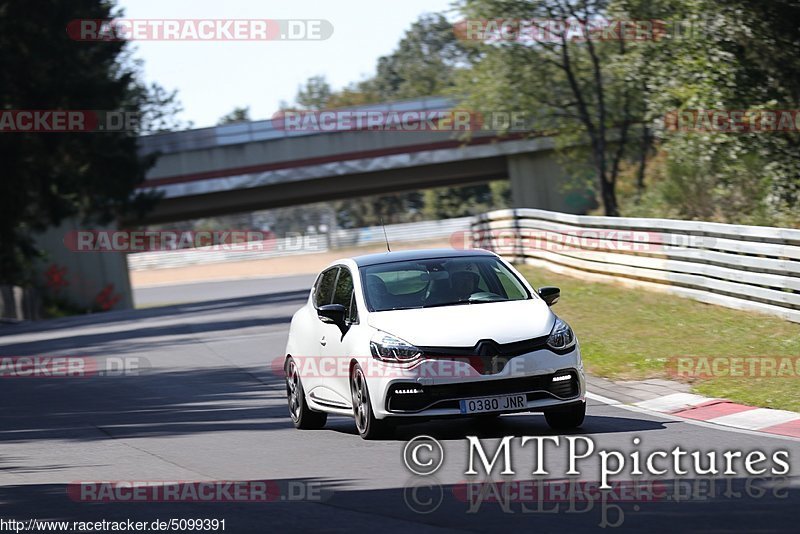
(441, 304)
(460, 302)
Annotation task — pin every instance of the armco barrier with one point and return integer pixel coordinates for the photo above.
(750, 268)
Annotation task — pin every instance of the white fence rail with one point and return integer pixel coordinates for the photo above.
(307, 244)
(744, 267)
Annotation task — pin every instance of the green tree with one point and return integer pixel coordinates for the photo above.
(238, 114)
(314, 94)
(51, 176)
(740, 55)
(424, 63)
(449, 202)
(584, 91)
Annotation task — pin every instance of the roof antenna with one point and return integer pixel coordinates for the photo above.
(385, 236)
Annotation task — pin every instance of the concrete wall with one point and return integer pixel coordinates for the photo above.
(87, 273)
(18, 304)
(539, 181)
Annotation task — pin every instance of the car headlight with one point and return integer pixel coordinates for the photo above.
(561, 337)
(389, 348)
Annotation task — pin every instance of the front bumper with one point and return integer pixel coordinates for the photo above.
(425, 391)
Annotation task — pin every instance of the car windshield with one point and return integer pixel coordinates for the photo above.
(439, 282)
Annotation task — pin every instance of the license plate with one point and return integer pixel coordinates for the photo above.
(493, 404)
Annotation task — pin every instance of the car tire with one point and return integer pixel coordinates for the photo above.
(566, 418)
(303, 417)
(367, 425)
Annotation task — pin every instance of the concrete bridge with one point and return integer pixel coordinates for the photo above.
(258, 165)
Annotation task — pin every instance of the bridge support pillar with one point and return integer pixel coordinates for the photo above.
(88, 280)
(539, 181)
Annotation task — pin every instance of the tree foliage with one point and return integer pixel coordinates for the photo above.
(613, 96)
(425, 63)
(237, 114)
(740, 55)
(584, 90)
(51, 176)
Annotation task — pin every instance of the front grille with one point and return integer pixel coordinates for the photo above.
(447, 395)
(487, 356)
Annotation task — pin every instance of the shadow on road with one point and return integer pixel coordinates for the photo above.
(110, 318)
(136, 339)
(510, 425)
(173, 403)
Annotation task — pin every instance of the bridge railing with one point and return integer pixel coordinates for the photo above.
(265, 130)
(750, 268)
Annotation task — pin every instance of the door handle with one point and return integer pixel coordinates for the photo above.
(322, 341)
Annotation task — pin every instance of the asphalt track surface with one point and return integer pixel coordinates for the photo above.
(207, 406)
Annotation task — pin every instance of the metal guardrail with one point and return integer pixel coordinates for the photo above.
(750, 268)
(308, 244)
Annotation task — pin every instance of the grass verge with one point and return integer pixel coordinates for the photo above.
(629, 334)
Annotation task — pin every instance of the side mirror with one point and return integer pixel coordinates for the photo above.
(550, 294)
(333, 314)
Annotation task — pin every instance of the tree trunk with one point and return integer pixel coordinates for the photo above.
(644, 149)
(609, 197)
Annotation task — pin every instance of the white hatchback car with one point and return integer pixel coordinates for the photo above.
(430, 333)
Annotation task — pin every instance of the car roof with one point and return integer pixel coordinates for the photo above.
(422, 254)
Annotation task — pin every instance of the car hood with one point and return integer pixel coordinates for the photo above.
(466, 324)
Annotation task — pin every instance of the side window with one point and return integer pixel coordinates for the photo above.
(344, 288)
(344, 294)
(324, 287)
